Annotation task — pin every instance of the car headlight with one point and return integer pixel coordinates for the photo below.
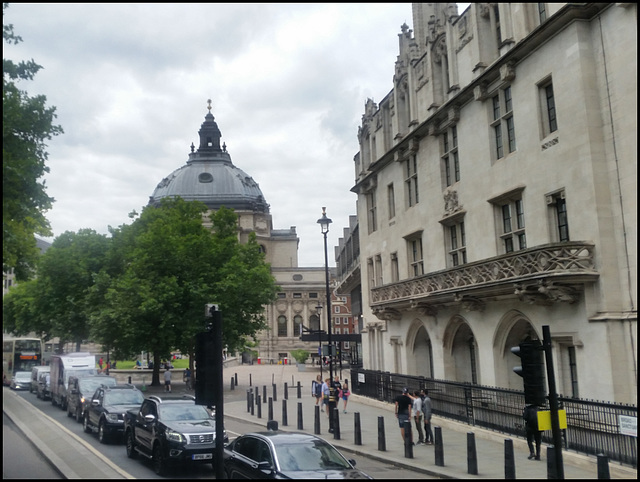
(112, 417)
(175, 436)
(82, 400)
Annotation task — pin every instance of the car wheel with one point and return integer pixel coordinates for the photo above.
(102, 433)
(159, 463)
(85, 423)
(131, 445)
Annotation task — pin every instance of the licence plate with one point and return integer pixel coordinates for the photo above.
(201, 456)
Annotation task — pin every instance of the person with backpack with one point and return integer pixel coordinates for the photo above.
(530, 415)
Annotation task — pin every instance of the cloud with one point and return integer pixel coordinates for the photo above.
(130, 84)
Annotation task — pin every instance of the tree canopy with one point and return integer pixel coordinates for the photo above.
(26, 124)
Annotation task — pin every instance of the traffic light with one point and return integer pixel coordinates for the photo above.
(205, 368)
(531, 371)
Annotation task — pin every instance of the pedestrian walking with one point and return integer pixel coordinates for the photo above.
(100, 363)
(167, 380)
(530, 415)
(316, 388)
(426, 413)
(418, 416)
(326, 392)
(344, 394)
(187, 378)
(403, 410)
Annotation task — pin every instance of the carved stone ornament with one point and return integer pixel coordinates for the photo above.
(470, 303)
(546, 293)
(387, 314)
(423, 308)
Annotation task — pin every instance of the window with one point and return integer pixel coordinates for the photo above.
(378, 269)
(414, 248)
(391, 199)
(411, 180)
(450, 161)
(457, 244)
(336, 309)
(395, 271)
(503, 123)
(282, 325)
(297, 295)
(542, 12)
(496, 17)
(558, 216)
(370, 273)
(548, 109)
(297, 325)
(371, 211)
(513, 235)
(282, 295)
(573, 371)
(337, 320)
(313, 295)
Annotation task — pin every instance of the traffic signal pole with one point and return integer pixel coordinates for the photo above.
(553, 403)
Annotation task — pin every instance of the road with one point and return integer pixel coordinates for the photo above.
(141, 468)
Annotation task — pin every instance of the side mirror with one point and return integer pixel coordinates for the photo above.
(265, 467)
(352, 462)
(149, 418)
(95, 403)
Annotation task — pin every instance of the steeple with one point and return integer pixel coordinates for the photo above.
(209, 133)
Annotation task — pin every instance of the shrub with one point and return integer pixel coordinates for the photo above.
(301, 356)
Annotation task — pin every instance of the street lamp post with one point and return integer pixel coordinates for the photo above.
(319, 310)
(324, 222)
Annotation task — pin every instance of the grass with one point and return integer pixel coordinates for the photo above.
(178, 363)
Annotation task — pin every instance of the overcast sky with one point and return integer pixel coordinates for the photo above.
(130, 83)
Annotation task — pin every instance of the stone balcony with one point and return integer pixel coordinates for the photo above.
(543, 275)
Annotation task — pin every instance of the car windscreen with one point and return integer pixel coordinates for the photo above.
(23, 376)
(183, 411)
(123, 397)
(313, 455)
(90, 385)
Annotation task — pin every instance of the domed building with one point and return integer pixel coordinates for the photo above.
(211, 177)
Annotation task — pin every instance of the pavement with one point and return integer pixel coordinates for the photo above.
(76, 459)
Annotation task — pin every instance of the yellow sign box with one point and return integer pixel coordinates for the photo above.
(544, 419)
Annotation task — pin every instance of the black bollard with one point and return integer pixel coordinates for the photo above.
(299, 390)
(253, 405)
(249, 379)
(509, 460)
(270, 405)
(285, 422)
(256, 394)
(357, 439)
(275, 392)
(129, 380)
(286, 391)
(259, 415)
(472, 456)
(236, 379)
(439, 446)
(603, 467)
(316, 421)
(272, 425)
(336, 423)
(300, 424)
(408, 447)
(551, 463)
(264, 394)
(232, 386)
(382, 444)
(248, 401)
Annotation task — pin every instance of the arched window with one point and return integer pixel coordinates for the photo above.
(282, 325)
(297, 325)
(314, 323)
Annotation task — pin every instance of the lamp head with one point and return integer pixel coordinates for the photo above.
(324, 222)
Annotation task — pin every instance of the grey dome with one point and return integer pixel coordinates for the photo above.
(210, 177)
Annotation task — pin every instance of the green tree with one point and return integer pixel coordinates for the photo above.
(66, 274)
(165, 267)
(22, 313)
(26, 124)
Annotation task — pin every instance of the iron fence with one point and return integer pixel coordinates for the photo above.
(593, 427)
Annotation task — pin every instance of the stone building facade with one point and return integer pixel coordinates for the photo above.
(497, 194)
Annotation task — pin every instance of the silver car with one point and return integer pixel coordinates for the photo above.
(21, 381)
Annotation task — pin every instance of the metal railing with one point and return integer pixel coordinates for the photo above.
(592, 427)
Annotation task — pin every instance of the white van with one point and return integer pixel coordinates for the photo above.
(64, 366)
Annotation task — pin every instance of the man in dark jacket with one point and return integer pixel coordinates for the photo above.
(403, 411)
(530, 415)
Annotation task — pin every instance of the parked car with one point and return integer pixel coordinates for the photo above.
(286, 455)
(171, 431)
(80, 391)
(44, 386)
(21, 381)
(35, 371)
(105, 412)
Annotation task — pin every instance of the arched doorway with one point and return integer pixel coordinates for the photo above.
(460, 352)
(419, 351)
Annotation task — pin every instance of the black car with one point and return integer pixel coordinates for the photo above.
(286, 455)
(80, 391)
(171, 431)
(105, 411)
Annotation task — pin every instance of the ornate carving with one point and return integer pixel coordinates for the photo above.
(387, 314)
(470, 303)
(451, 202)
(424, 308)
